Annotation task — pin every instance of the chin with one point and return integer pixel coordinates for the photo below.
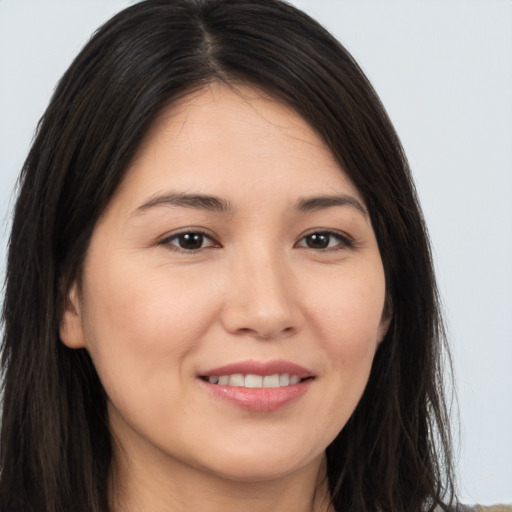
(260, 467)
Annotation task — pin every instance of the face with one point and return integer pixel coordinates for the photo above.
(232, 295)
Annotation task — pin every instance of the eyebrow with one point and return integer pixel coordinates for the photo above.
(199, 201)
(220, 205)
(322, 202)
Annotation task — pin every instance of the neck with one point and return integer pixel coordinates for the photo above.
(165, 486)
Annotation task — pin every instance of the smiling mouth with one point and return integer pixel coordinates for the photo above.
(255, 381)
(258, 386)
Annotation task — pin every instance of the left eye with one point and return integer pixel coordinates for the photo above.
(324, 240)
(190, 241)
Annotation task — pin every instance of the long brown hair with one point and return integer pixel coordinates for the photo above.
(394, 453)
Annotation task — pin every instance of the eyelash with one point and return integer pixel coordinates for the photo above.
(344, 241)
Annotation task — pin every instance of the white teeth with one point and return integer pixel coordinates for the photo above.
(255, 381)
(236, 380)
(271, 381)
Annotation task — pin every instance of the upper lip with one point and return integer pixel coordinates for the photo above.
(262, 368)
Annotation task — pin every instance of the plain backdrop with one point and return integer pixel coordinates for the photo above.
(443, 69)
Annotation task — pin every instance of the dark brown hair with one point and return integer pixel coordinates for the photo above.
(394, 453)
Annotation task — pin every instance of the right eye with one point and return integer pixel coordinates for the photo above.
(189, 241)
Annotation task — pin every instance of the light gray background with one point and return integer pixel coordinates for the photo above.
(443, 70)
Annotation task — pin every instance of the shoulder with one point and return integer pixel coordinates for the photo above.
(478, 508)
(481, 508)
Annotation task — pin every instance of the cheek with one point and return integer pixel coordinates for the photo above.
(140, 324)
(348, 317)
(348, 311)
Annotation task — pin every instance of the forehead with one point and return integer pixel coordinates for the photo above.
(234, 141)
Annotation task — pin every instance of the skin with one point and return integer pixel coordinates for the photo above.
(154, 315)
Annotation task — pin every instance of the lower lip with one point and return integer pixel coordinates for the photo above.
(259, 399)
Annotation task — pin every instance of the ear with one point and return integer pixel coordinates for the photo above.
(71, 324)
(385, 321)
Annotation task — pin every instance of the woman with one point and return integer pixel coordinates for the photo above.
(219, 289)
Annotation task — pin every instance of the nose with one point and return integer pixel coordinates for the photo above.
(262, 301)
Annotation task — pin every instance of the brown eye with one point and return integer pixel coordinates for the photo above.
(189, 241)
(324, 240)
(318, 240)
